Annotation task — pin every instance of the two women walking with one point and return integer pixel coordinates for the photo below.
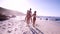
(29, 18)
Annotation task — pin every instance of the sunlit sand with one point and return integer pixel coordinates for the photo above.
(18, 26)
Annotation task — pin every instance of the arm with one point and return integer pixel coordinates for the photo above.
(25, 18)
(31, 19)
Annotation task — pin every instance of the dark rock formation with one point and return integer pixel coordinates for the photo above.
(3, 17)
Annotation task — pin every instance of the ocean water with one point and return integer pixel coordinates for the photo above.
(49, 18)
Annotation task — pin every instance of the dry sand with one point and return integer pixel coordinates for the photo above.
(18, 26)
(49, 27)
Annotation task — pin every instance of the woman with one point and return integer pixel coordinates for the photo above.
(28, 17)
(34, 18)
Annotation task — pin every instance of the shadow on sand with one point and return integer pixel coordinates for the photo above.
(34, 31)
(39, 30)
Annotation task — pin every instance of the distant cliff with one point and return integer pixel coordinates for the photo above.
(9, 12)
(6, 14)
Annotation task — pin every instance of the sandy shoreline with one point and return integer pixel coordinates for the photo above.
(18, 24)
(49, 27)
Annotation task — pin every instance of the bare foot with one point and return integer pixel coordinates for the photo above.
(33, 25)
(27, 25)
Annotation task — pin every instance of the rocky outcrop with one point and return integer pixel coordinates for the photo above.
(3, 17)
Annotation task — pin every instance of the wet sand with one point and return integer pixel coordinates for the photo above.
(49, 27)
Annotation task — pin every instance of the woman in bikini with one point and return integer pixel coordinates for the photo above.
(34, 18)
(28, 17)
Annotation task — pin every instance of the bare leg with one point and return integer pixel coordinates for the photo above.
(33, 23)
(28, 21)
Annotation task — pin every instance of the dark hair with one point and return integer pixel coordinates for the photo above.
(30, 9)
(34, 11)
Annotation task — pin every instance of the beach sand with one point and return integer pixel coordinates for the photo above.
(49, 27)
(17, 25)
